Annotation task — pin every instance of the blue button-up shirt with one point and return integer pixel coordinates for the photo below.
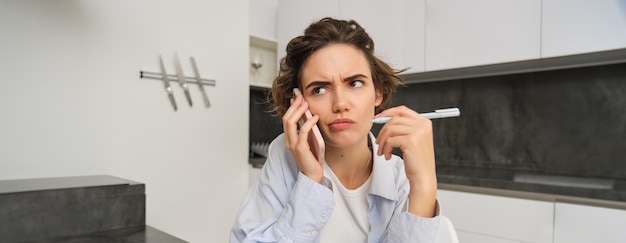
(284, 205)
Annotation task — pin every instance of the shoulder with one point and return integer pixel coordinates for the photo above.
(277, 148)
(279, 158)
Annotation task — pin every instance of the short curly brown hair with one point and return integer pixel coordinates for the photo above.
(318, 35)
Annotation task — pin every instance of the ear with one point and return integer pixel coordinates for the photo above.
(379, 97)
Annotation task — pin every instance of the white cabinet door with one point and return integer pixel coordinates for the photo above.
(295, 15)
(579, 223)
(262, 53)
(581, 26)
(470, 33)
(263, 62)
(479, 218)
(396, 26)
(467, 237)
(262, 14)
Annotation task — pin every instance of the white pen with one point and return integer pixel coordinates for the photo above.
(440, 113)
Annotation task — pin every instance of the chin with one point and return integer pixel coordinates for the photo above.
(345, 138)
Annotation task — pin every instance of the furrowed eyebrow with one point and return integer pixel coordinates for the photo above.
(353, 77)
(317, 83)
(323, 83)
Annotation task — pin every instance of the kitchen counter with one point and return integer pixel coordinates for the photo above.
(94, 208)
(536, 186)
(257, 162)
(139, 234)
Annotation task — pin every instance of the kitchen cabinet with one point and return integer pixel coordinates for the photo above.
(472, 33)
(580, 26)
(474, 237)
(430, 35)
(499, 217)
(575, 223)
(488, 218)
(262, 18)
(397, 27)
(295, 15)
(263, 63)
(436, 35)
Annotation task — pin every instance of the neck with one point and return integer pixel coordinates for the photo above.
(352, 165)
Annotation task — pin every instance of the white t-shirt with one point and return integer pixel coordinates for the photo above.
(348, 222)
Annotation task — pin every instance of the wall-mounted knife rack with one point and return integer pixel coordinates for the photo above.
(182, 80)
(173, 78)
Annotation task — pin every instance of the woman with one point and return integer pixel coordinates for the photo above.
(359, 191)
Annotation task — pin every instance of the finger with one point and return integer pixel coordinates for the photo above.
(387, 148)
(305, 131)
(299, 113)
(415, 122)
(387, 133)
(396, 127)
(403, 121)
(409, 135)
(293, 121)
(295, 103)
(401, 111)
(417, 141)
(290, 121)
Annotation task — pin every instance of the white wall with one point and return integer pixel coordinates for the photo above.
(263, 18)
(72, 102)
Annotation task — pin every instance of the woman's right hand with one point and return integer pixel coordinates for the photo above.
(297, 142)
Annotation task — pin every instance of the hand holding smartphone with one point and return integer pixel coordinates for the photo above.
(316, 142)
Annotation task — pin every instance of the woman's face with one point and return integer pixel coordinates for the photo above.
(337, 83)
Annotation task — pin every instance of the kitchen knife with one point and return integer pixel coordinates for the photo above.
(181, 78)
(166, 83)
(200, 85)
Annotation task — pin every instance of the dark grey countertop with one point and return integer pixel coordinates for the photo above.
(54, 183)
(257, 162)
(139, 234)
(538, 186)
(94, 208)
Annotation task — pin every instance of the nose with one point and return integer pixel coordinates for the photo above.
(340, 101)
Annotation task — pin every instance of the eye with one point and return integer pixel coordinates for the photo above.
(319, 90)
(356, 83)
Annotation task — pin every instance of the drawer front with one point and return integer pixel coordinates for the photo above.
(579, 223)
(507, 218)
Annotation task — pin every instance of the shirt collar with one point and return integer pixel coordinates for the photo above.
(383, 178)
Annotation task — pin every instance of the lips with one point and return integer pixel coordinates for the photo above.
(341, 124)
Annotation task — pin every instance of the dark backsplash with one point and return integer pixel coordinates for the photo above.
(570, 122)
(264, 127)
